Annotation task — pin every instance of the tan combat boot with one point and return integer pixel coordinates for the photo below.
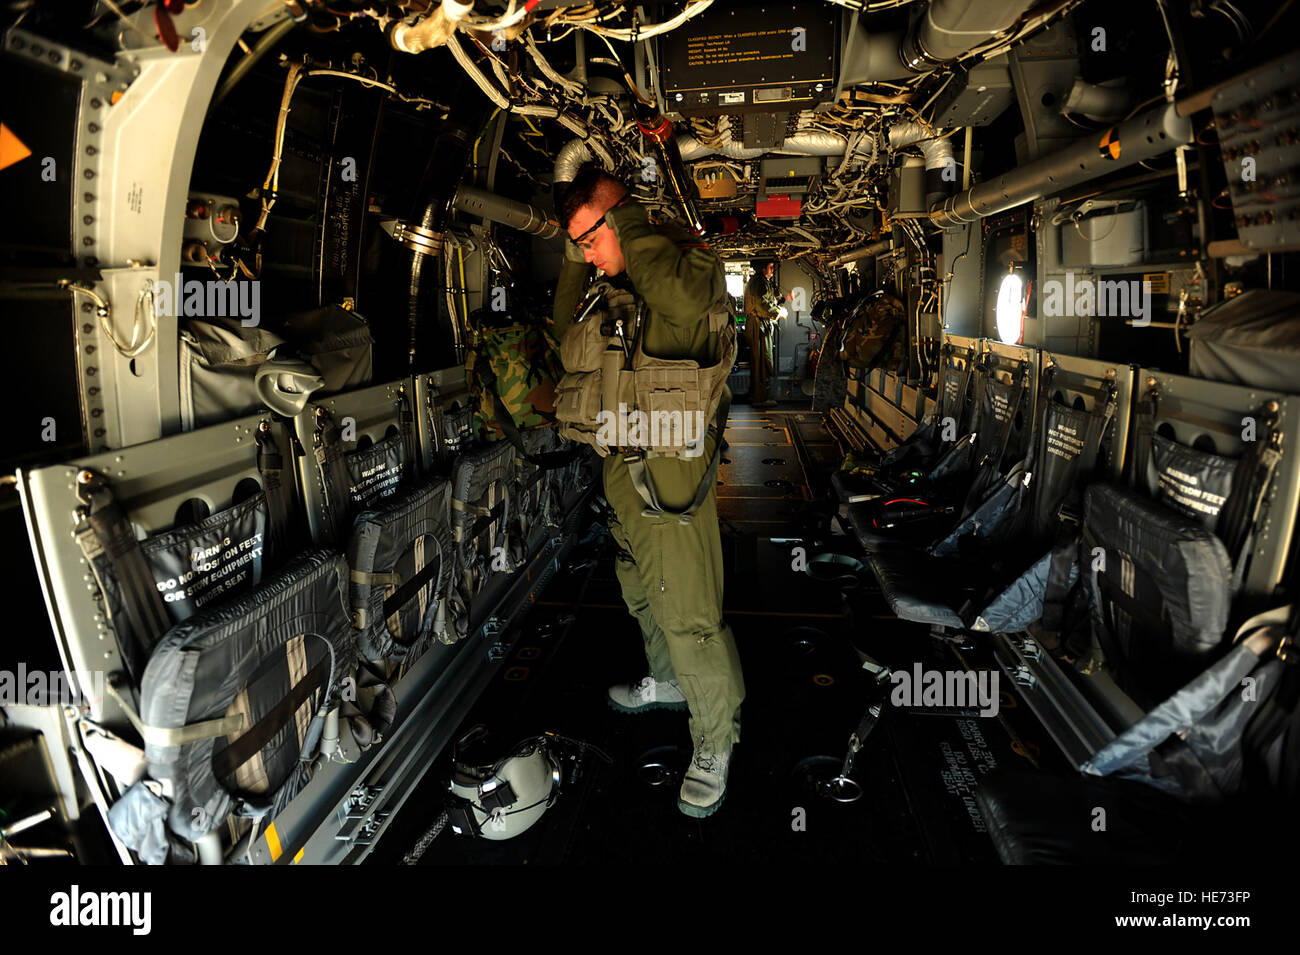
(705, 784)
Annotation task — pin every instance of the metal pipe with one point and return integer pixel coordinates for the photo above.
(263, 46)
(947, 29)
(862, 252)
(1143, 137)
(517, 215)
(427, 222)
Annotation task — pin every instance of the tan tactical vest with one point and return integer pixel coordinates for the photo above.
(606, 372)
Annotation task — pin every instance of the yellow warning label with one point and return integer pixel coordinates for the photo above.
(298, 857)
(273, 842)
(12, 149)
(1158, 282)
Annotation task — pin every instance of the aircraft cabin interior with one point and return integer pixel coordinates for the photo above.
(317, 551)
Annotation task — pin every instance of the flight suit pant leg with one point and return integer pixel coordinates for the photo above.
(679, 572)
(638, 604)
(761, 361)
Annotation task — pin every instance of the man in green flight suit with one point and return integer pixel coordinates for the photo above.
(762, 312)
(670, 572)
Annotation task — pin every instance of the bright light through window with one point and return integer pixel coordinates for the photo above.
(736, 284)
(1008, 310)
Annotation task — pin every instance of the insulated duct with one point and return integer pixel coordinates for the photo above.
(947, 29)
(1100, 102)
(862, 252)
(423, 231)
(517, 215)
(937, 152)
(1144, 137)
(571, 155)
(804, 143)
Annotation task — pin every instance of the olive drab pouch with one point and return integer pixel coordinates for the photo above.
(594, 359)
(513, 371)
(673, 392)
(873, 335)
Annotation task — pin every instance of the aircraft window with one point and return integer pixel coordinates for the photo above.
(1204, 442)
(1079, 404)
(1166, 430)
(364, 441)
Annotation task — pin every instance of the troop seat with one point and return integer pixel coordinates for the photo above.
(402, 575)
(992, 571)
(481, 514)
(363, 451)
(164, 530)
(1225, 456)
(1037, 818)
(444, 419)
(233, 701)
(922, 498)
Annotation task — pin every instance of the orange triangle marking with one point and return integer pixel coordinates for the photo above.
(12, 149)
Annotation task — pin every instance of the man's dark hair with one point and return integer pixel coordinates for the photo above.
(587, 184)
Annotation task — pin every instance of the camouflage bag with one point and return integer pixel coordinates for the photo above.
(512, 372)
(873, 335)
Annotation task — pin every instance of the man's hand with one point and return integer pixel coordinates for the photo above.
(789, 295)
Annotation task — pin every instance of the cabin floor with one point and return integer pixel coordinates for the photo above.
(800, 640)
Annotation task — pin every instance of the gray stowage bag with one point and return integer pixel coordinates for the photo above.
(220, 358)
(256, 673)
(403, 574)
(1252, 339)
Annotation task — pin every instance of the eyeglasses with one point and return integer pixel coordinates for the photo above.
(581, 241)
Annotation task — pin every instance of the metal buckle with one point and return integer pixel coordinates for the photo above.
(1069, 516)
(1284, 648)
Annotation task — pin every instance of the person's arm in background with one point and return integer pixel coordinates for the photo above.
(676, 281)
(569, 288)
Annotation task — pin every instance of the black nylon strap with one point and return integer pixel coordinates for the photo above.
(1152, 621)
(406, 425)
(1146, 426)
(494, 514)
(1250, 483)
(144, 605)
(403, 594)
(270, 465)
(335, 478)
(260, 733)
(990, 468)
